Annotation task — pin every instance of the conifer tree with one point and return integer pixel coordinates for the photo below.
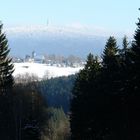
(133, 86)
(125, 48)
(125, 43)
(136, 50)
(6, 66)
(136, 41)
(83, 96)
(109, 54)
(6, 82)
(134, 62)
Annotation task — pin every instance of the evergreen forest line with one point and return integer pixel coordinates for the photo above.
(106, 94)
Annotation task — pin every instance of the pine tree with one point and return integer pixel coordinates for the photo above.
(136, 41)
(125, 49)
(125, 44)
(111, 65)
(134, 62)
(6, 82)
(83, 98)
(110, 102)
(6, 66)
(136, 51)
(133, 86)
(109, 54)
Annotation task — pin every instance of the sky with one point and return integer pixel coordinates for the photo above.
(116, 15)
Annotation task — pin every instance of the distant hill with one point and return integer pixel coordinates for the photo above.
(54, 40)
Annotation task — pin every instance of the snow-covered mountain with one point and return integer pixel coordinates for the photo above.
(66, 40)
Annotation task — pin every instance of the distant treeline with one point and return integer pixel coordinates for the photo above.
(58, 91)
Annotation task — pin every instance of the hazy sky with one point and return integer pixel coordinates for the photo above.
(109, 14)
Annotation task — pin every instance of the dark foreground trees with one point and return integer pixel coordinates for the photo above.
(6, 83)
(22, 108)
(106, 95)
(30, 111)
(82, 117)
(134, 86)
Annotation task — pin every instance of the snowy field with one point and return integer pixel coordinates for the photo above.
(42, 70)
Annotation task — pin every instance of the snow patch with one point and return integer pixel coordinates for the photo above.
(43, 71)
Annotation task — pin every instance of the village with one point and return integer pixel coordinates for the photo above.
(51, 60)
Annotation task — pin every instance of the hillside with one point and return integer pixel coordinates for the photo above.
(55, 40)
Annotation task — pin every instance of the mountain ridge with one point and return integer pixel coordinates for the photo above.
(64, 41)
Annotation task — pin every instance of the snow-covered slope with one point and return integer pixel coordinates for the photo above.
(69, 31)
(42, 70)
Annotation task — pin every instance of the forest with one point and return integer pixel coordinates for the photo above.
(101, 102)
